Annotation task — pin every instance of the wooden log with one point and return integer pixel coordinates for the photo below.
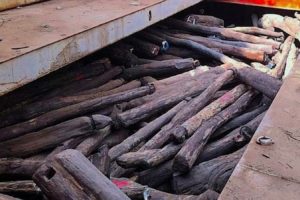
(239, 121)
(157, 175)
(136, 191)
(117, 171)
(257, 31)
(262, 82)
(116, 137)
(291, 60)
(7, 197)
(145, 132)
(160, 68)
(231, 142)
(205, 20)
(71, 111)
(186, 129)
(212, 175)
(222, 32)
(199, 48)
(268, 49)
(188, 111)
(279, 69)
(166, 57)
(17, 167)
(182, 52)
(26, 187)
(260, 67)
(287, 24)
(163, 44)
(101, 160)
(186, 157)
(69, 175)
(242, 52)
(50, 137)
(143, 48)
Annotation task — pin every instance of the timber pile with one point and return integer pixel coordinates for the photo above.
(167, 116)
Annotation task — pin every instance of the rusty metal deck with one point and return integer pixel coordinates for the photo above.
(272, 172)
(41, 38)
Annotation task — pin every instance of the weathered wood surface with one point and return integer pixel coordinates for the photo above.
(163, 44)
(257, 31)
(222, 32)
(52, 136)
(262, 82)
(205, 20)
(212, 174)
(101, 160)
(143, 48)
(7, 197)
(69, 175)
(188, 111)
(145, 132)
(116, 137)
(186, 157)
(27, 187)
(137, 191)
(187, 128)
(65, 113)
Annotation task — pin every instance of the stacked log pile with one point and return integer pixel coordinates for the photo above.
(167, 115)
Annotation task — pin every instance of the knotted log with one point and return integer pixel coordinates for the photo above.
(69, 175)
(160, 68)
(50, 137)
(65, 113)
(222, 32)
(145, 132)
(212, 174)
(186, 157)
(262, 82)
(205, 20)
(101, 160)
(186, 129)
(136, 191)
(188, 111)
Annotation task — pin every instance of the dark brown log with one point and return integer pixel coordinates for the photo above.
(231, 142)
(257, 31)
(182, 52)
(268, 49)
(7, 197)
(72, 111)
(160, 68)
(50, 137)
(186, 129)
(222, 32)
(194, 146)
(117, 171)
(288, 24)
(145, 132)
(69, 175)
(90, 144)
(157, 175)
(19, 187)
(19, 167)
(191, 109)
(166, 57)
(212, 174)
(116, 137)
(199, 48)
(148, 158)
(101, 160)
(136, 191)
(205, 20)
(250, 54)
(279, 69)
(264, 83)
(163, 44)
(143, 48)
(112, 84)
(239, 121)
